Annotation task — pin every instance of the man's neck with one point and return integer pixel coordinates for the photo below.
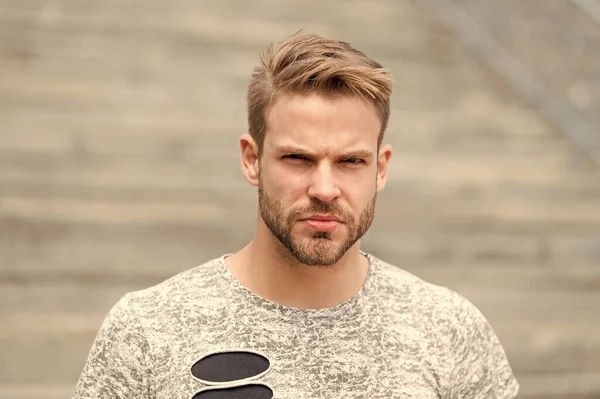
(263, 269)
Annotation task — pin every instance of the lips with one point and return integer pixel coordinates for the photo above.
(326, 223)
(324, 218)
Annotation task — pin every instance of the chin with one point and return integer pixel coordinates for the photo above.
(321, 248)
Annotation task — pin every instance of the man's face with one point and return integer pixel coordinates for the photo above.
(318, 174)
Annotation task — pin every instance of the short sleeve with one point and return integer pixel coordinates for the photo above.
(117, 365)
(480, 367)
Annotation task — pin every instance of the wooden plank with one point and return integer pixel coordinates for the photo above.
(525, 22)
(571, 345)
(72, 133)
(551, 39)
(523, 279)
(47, 297)
(424, 242)
(567, 249)
(419, 248)
(31, 120)
(560, 385)
(35, 391)
(119, 93)
(191, 81)
(483, 212)
(204, 30)
(114, 212)
(294, 10)
(451, 244)
(31, 351)
(57, 88)
(160, 109)
(224, 26)
(101, 252)
(122, 171)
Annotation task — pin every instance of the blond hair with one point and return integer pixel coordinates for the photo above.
(307, 63)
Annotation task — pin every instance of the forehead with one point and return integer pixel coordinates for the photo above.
(324, 123)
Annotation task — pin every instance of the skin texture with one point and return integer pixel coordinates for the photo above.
(319, 156)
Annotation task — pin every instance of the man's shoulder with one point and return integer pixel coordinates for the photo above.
(462, 341)
(424, 298)
(187, 286)
(402, 282)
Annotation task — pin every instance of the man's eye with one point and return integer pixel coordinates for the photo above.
(294, 156)
(353, 160)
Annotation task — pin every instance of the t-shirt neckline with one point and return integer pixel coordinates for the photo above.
(341, 308)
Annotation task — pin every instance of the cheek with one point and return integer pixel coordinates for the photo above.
(285, 187)
(358, 201)
(359, 190)
(293, 188)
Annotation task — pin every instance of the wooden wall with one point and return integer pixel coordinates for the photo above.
(119, 167)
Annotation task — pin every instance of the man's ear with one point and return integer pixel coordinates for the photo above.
(385, 153)
(250, 162)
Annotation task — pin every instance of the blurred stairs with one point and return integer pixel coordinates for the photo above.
(119, 123)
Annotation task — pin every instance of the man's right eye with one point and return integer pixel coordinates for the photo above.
(294, 156)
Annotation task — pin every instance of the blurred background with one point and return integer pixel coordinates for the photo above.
(119, 164)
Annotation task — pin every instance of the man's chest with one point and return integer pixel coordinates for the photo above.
(345, 361)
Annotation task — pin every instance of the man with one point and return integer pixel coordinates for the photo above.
(301, 311)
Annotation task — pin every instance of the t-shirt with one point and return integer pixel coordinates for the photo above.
(201, 334)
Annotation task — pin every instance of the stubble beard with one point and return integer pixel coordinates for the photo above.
(319, 249)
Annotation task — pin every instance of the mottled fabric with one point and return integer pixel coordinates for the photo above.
(398, 337)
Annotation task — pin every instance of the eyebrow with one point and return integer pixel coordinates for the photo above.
(289, 149)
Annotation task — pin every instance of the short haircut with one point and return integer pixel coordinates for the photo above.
(306, 63)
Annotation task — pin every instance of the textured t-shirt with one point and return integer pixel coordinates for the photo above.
(398, 337)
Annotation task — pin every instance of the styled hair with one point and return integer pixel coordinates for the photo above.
(307, 63)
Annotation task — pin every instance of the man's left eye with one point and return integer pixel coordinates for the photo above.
(353, 160)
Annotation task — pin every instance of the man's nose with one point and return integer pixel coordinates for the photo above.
(323, 184)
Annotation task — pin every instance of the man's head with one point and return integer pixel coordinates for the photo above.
(307, 63)
(317, 111)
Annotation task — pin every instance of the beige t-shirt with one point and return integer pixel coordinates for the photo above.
(398, 337)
